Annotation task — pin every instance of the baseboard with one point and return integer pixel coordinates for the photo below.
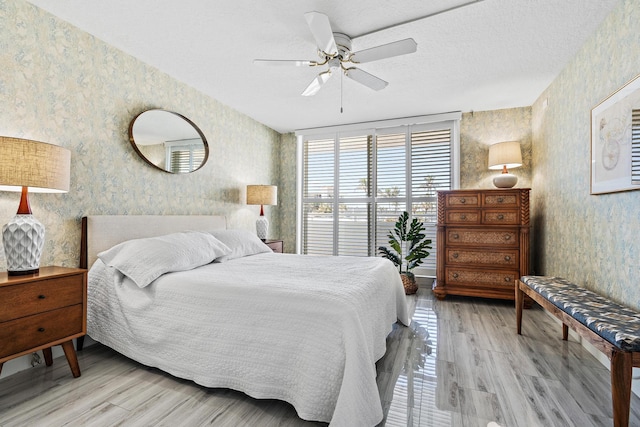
(23, 363)
(635, 382)
(425, 281)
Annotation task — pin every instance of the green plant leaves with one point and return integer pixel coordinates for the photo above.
(417, 244)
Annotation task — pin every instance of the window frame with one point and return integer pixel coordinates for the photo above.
(403, 125)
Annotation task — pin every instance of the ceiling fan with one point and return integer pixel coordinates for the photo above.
(334, 50)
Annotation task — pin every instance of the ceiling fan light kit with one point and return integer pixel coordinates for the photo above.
(334, 50)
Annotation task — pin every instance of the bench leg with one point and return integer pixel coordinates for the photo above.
(621, 367)
(565, 332)
(519, 306)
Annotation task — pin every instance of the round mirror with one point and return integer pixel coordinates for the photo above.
(168, 141)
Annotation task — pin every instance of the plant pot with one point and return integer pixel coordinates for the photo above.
(409, 283)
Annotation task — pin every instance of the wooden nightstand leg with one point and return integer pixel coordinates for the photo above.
(70, 352)
(48, 358)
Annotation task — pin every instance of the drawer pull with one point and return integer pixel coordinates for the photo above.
(462, 200)
(40, 329)
(507, 279)
(500, 200)
(455, 236)
(455, 255)
(500, 216)
(455, 275)
(507, 258)
(41, 297)
(507, 237)
(463, 217)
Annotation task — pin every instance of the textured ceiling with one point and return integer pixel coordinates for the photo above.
(490, 54)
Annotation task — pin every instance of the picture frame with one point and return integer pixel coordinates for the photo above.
(615, 141)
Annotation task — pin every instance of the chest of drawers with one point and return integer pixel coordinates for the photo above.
(482, 242)
(38, 311)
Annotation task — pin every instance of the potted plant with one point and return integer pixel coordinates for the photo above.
(407, 238)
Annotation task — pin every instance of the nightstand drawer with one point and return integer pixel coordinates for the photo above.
(276, 246)
(31, 298)
(30, 332)
(497, 258)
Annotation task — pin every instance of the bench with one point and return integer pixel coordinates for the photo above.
(610, 327)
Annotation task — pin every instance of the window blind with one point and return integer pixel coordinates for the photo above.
(185, 158)
(635, 147)
(356, 184)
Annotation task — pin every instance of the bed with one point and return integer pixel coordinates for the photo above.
(303, 329)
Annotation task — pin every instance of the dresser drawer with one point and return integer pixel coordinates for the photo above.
(500, 217)
(497, 258)
(470, 237)
(36, 297)
(495, 199)
(466, 216)
(464, 199)
(482, 278)
(30, 332)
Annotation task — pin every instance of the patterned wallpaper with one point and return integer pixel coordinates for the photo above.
(479, 130)
(287, 191)
(63, 86)
(588, 239)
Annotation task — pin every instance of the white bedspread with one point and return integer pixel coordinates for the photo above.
(303, 329)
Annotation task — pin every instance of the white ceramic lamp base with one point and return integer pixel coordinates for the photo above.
(262, 226)
(505, 180)
(23, 240)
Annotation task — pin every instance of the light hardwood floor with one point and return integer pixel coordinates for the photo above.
(459, 364)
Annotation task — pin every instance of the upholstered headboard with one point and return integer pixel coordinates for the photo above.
(100, 232)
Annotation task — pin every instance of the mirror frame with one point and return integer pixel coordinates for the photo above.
(186, 119)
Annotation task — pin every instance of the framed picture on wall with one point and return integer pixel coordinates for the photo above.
(615, 141)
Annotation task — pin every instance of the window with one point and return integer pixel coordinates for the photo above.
(635, 147)
(184, 156)
(355, 183)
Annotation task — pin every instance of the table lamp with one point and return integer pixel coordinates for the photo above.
(29, 166)
(262, 195)
(505, 155)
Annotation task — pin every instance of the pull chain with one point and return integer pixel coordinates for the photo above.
(341, 78)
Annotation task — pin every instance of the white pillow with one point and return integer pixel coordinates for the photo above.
(241, 242)
(144, 260)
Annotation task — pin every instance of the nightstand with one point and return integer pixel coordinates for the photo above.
(276, 246)
(38, 311)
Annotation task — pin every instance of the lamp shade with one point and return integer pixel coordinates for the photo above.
(43, 168)
(505, 154)
(262, 195)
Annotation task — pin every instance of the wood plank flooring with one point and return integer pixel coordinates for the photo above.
(460, 363)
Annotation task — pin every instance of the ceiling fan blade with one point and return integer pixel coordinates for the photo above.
(362, 77)
(317, 83)
(322, 32)
(284, 62)
(401, 47)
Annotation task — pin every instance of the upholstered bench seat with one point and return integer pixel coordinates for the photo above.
(616, 323)
(610, 327)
